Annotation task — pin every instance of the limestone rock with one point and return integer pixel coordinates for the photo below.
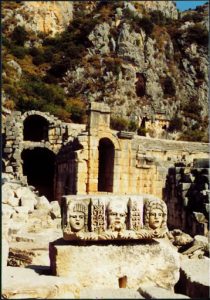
(156, 263)
(28, 199)
(194, 277)
(48, 17)
(109, 293)
(43, 203)
(8, 196)
(21, 283)
(5, 252)
(7, 210)
(55, 210)
(17, 68)
(154, 292)
(100, 38)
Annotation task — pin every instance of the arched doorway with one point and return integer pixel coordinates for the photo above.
(106, 165)
(35, 128)
(38, 166)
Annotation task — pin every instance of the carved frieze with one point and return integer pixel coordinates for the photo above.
(113, 218)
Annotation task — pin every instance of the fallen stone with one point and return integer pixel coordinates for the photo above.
(154, 292)
(155, 263)
(194, 278)
(25, 283)
(55, 210)
(8, 196)
(20, 217)
(28, 201)
(22, 210)
(7, 210)
(5, 252)
(43, 203)
(200, 240)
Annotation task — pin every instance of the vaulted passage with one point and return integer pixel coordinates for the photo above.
(106, 165)
(38, 166)
(35, 128)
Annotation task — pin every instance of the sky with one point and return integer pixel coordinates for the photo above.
(184, 5)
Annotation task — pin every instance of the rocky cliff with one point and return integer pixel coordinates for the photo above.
(144, 59)
(49, 17)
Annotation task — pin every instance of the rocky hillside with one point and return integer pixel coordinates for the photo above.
(142, 58)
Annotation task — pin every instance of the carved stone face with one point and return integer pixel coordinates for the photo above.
(77, 221)
(155, 218)
(116, 218)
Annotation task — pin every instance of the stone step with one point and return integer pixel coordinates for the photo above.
(109, 293)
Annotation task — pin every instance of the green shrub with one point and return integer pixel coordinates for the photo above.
(192, 107)
(132, 125)
(19, 51)
(19, 35)
(175, 124)
(198, 33)
(193, 136)
(146, 24)
(158, 17)
(118, 123)
(38, 60)
(77, 110)
(25, 103)
(192, 17)
(142, 131)
(169, 88)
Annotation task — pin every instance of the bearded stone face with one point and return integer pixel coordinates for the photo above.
(117, 218)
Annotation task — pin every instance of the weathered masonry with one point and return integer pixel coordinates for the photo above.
(101, 160)
(31, 142)
(62, 158)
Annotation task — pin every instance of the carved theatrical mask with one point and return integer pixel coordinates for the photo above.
(155, 218)
(77, 216)
(77, 221)
(116, 217)
(155, 214)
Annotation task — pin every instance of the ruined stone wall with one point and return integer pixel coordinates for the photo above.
(187, 196)
(140, 164)
(57, 134)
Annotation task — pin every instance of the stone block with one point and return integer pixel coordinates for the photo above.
(9, 169)
(154, 292)
(155, 262)
(7, 210)
(194, 277)
(43, 203)
(5, 252)
(26, 283)
(102, 293)
(55, 211)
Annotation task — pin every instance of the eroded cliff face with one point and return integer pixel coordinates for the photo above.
(49, 17)
(142, 58)
(147, 73)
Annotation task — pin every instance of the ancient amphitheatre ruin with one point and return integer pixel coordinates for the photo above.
(124, 216)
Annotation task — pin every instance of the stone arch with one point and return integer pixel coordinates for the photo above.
(106, 155)
(112, 138)
(35, 128)
(38, 166)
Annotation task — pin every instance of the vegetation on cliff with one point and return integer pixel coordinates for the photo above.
(91, 60)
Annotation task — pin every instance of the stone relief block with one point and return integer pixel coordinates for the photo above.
(136, 214)
(97, 215)
(113, 217)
